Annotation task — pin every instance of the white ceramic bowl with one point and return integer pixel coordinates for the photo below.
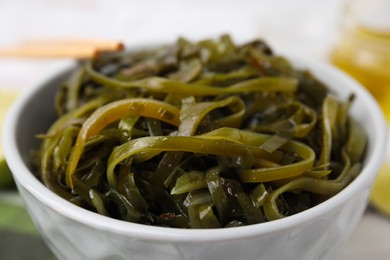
(75, 233)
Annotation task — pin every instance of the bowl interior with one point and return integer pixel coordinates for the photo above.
(36, 114)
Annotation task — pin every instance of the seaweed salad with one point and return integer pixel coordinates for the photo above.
(204, 134)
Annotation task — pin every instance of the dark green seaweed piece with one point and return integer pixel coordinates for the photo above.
(205, 134)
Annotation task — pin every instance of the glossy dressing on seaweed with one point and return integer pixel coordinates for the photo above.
(198, 135)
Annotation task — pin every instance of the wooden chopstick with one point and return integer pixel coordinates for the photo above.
(78, 48)
(100, 44)
(48, 52)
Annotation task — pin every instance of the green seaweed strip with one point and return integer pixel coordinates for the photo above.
(205, 134)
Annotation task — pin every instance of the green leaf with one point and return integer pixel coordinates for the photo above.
(14, 217)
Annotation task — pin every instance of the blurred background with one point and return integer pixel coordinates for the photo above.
(304, 26)
(312, 28)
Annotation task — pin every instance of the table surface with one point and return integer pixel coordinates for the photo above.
(119, 19)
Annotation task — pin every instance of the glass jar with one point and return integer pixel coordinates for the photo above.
(364, 47)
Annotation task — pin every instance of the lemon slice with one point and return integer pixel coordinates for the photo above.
(7, 96)
(380, 194)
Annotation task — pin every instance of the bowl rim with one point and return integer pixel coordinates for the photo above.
(25, 178)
